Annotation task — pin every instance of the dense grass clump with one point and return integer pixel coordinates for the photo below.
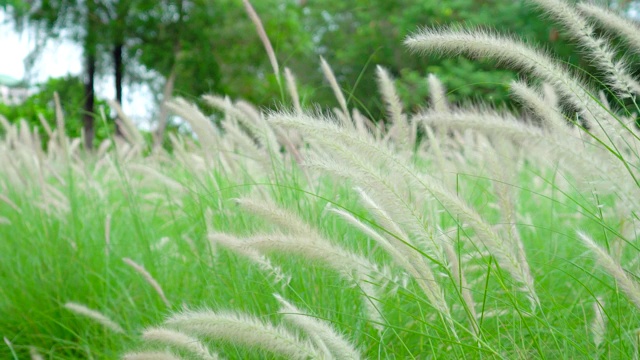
(450, 232)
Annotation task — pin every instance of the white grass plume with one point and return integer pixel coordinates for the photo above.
(350, 149)
(400, 130)
(599, 323)
(243, 330)
(622, 25)
(550, 116)
(94, 315)
(206, 132)
(179, 340)
(350, 266)
(234, 244)
(598, 49)
(323, 335)
(248, 117)
(283, 218)
(62, 138)
(437, 94)
(628, 286)
(328, 74)
(481, 43)
(35, 354)
(127, 127)
(293, 90)
(406, 258)
(253, 15)
(148, 278)
(151, 355)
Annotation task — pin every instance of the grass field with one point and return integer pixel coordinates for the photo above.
(452, 232)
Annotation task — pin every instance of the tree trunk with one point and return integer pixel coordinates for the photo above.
(88, 118)
(119, 73)
(90, 51)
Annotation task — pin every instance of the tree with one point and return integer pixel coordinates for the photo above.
(74, 20)
(40, 107)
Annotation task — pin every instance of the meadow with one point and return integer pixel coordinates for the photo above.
(451, 231)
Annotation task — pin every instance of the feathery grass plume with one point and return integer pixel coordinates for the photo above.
(622, 25)
(236, 245)
(627, 285)
(237, 140)
(550, 96)
(400, 130)
(345, 155)
(127, 127)
(504, 173)
(244, 330)
(346, 147)
(434, 145)
(598, 48)
(206, 132)
(482, 43)
(550, 116)
(328, 74)
(351, 266)
(94, 315)
(293, 90)
(148, 278)
(599, 323)
(397, 257)
(363, 125)
(151, 355)
(248, 117)
(337, 142)
(60, 128)
(437, 94)
(179, 340)
(404, 253)
(283, 218)
(104, 146)
(322, 334)
(45, 125)
(545, 146)
(35, 354)
(151, 173)
(253, 15)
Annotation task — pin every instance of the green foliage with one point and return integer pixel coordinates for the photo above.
(41, 103)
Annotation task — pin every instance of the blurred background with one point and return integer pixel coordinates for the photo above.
(140, 51)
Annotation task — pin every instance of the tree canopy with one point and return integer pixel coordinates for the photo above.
(212, 47)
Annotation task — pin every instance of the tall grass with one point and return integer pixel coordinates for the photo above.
(451, 232)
